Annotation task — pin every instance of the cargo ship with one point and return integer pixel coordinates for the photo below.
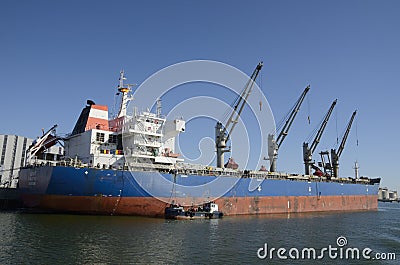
(127, 165)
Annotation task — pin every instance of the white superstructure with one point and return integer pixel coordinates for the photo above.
(144, 137)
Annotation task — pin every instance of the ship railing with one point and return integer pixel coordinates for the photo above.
(281, 175)
(197, 170)
(260, 175)
(295, 176)
(362, 180)
(42, 163)
(257, 175)
(147, 143)
(150, 166)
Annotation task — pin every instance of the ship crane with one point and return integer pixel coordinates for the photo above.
(335, 155)
(222, 133)
(309, 150)
(273, 145)
(333, 160)
(41, 144)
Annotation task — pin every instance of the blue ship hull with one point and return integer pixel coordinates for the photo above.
(107, 191)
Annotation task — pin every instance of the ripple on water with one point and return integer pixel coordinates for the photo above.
(77, 239)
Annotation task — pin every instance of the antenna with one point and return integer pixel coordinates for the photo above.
(124, 89)
(121, 79)
(158, 108)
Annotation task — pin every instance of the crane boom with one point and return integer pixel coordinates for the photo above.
(323, 126)
(335, 155)
(235, 115)
(285, 130)
(223, 133)
(308, 151)
(273, 145)
(346, 134)
(40, 144)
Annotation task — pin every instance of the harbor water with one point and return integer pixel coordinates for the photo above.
(28, 238)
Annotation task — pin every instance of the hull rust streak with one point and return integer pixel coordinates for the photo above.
(229, 206)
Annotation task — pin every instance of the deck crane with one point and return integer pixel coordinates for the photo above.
(335, 154)
(273, 145)
(309, 150)
(223, 133)
(47, 140)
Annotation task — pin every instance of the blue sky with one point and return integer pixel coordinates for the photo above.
(56, 54)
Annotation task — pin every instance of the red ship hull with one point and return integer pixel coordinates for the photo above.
(153, 207)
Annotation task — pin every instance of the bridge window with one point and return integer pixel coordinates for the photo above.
(100, 137)
(112, 138)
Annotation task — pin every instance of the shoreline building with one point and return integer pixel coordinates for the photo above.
(13, 150)
(386, 195)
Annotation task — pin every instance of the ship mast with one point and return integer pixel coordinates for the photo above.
(124, 89)
(356, 168)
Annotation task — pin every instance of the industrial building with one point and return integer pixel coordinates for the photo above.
(386, 195)
(13, 150)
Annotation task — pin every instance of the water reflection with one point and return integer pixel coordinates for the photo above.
(74, 239)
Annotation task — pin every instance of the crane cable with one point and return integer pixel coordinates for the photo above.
(315, 130)
(357, 148)
(337, 134)
(261, 87)
(283, 120)
(357, 130)
(233, 106)
(308, 108)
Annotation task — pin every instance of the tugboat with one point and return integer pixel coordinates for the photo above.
(207, 210)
